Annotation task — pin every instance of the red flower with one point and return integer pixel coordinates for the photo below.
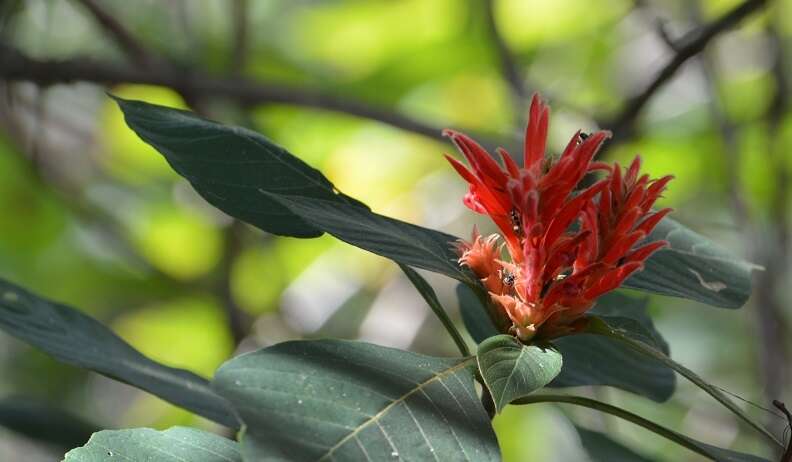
(557, 270)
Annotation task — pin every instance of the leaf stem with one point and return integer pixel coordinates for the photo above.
(624, 414)
(430, 297)
(600, 327)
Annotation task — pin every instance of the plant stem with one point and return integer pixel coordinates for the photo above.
(430, 297)
(600, 327)
(624, 414)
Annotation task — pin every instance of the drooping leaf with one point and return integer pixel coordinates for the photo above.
(42, 422)
(403, 242)
(340, 400)
(694, 267)
(76, 339)
(596, 360)
(512, 370)
(602, 448)
(177, 444)
(231, 166)
(600, 326)
(710, 452)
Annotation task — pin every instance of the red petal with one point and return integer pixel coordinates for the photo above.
(569, 212)
(612, 280)
(536, 133)
(649, 223)
(621, 246)
(511, 166)
(642, 253)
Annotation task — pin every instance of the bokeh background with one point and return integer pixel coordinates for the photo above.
(93, 217)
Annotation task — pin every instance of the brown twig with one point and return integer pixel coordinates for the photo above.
(119, 33)
(15, 66)
(509, 67)
(624, 123)
(239, 52)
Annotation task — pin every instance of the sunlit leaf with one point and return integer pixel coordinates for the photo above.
(339, 400)
(177, 444)
(512, 370)
(76, 339)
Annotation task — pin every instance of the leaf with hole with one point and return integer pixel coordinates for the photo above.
(340, 400)
(694, 267)
(177, 444)
(512, 370)
(76, 339)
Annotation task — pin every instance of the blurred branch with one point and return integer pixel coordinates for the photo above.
(238, 322)
(125, 40)
(773, 331)
(509, 66)
(15, 66)
(239, 52)
(624, 123)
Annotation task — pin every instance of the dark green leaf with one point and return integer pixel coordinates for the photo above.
(45, 423)
(694, 267)
(403, 242)
(710, 452)
(596, 360)
(231, 166)
(176, 444)
(339, 400)
(601, 448)
(512, 370)
(601, 326)
(474, 314)
(81, 341)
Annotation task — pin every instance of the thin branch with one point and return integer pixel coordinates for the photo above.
(623, 124)
(15, 66)
(240, 38)
(509, 66)
(125, 40)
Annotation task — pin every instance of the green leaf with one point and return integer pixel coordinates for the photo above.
(44, 422)
(232, 167)
(601, 448)
(710, 452)
(694, 267)
(340, 400)
(176, 444)
(76, 339)
(399, 241)
(474, 314)
(601, 327)
(596, 360)
(592, 359)
(512, 370)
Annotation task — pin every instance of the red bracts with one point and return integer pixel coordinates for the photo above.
(565, 247)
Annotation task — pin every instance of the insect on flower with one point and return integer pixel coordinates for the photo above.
(566, 246)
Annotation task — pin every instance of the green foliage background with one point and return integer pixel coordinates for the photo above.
(95, 218)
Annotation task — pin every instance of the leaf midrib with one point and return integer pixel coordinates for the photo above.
(376, 417)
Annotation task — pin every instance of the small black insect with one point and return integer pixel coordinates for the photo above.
(507, 278)
(583, 136)
(514, 215)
